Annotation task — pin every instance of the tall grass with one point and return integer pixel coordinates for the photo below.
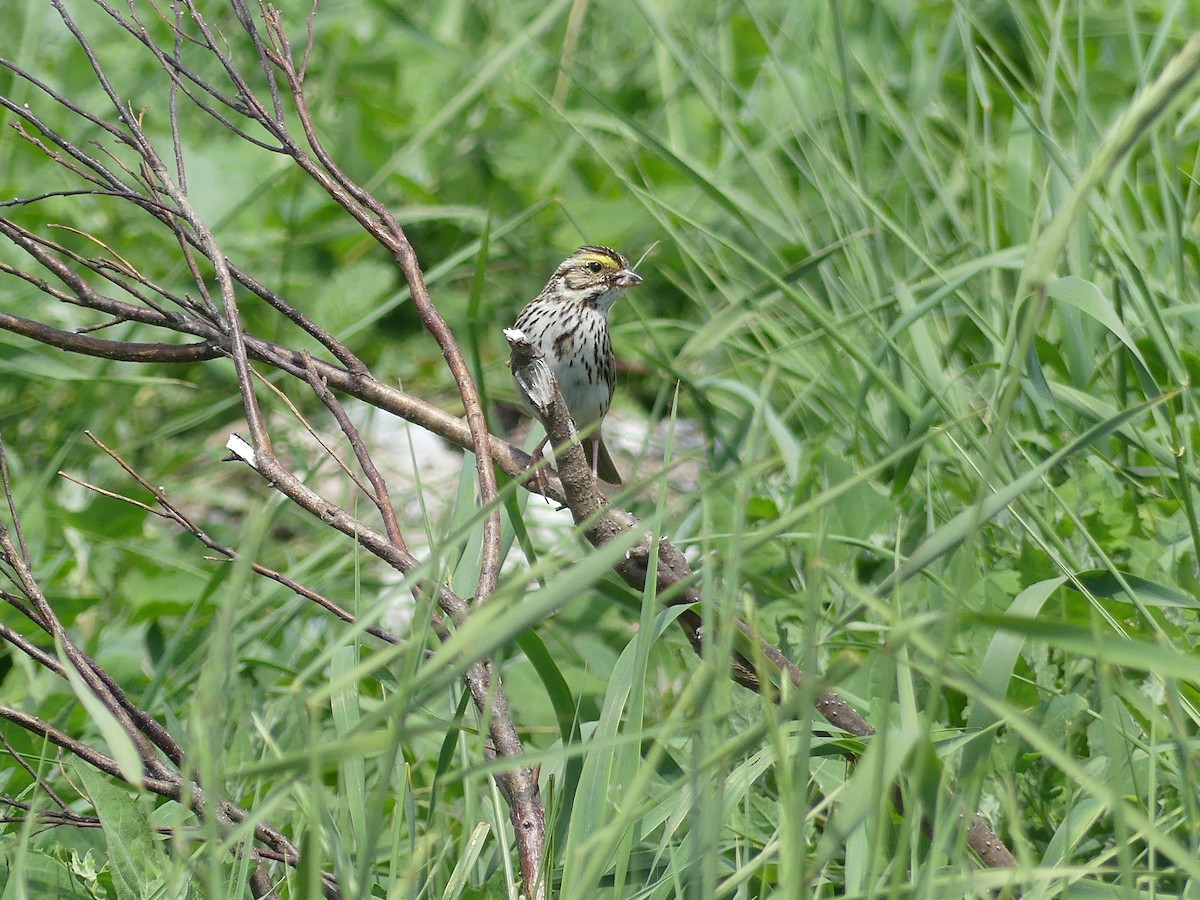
(925, 282)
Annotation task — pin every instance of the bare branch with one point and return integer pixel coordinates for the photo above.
(124, 351)
(30, 649)
(379, 496)
(674, 582)
(172, 512)
(77, 658)
(47, 254)
(139, 725)
(41, 782)
(519, 784)
(150, 184)
(12, 506)
(378, 220)
(164, 786)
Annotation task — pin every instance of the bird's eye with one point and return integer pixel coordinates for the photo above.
(594, 267)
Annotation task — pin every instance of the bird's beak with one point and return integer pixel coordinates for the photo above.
(627, 278)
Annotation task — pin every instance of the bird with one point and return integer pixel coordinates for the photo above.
(568, 321)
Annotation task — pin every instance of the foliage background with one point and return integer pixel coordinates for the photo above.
(843, 198)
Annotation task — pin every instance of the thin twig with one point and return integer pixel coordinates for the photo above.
(379, 494)
(41, 782)
(123, 351)
(170, 511)
(82, 664)
(12, 506)
(519, 784)
(378, 220)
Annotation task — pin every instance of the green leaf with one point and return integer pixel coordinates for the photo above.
(887, 754)
(344, 704)
(1131, 126)
(969, 521)
(32, 874)
(1104, 583)
(1160, 659)
(998, 664)
(501, 620)
(462, 869)
(1088, 299)
(759, 509)
(566, 714)
(135, 859)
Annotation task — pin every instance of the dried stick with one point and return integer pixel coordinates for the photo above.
(379, 494)
(84, 666)
(675, 584)
(123, 351)
(260, 881)
(518, 784)
(175, 514)
(379, 221)
(144, 731)
(161, 192)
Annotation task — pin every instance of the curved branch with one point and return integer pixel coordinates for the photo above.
(172, 512)
(511, 460)
(158, 784)
(124, 351)
(674, 581)
(170, 786)
(379, 222)
(518, 784)
(48, 255)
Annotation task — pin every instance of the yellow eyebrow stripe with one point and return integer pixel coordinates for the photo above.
(607, 261)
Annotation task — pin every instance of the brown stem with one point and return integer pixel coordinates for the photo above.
(124, 351)
(519, 784)
(384, 396)
(172, 512)
(601, 523)
(83, 665)
(168, 784)
(379, 494)
(378, 220)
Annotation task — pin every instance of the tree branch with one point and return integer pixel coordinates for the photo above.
(519, 784)
(674, 582)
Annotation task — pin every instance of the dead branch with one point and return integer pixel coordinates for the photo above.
(175, 514)
(160, 776)
(518, 785)
(161, 191)
(674, 583)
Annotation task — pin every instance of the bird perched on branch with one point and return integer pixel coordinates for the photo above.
(568, 320)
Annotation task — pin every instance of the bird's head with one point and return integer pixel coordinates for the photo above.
(593, 276)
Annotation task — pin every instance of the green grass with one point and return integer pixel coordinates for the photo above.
(926, 281)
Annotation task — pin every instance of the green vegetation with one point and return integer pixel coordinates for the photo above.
(924, 278)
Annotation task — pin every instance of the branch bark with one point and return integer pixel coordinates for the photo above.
(160, 776)
(674, 582)
(519, 784)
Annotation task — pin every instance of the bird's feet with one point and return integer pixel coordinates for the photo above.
(539, 467)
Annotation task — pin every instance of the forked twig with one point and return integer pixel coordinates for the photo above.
(145, 733)
(169, 510)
